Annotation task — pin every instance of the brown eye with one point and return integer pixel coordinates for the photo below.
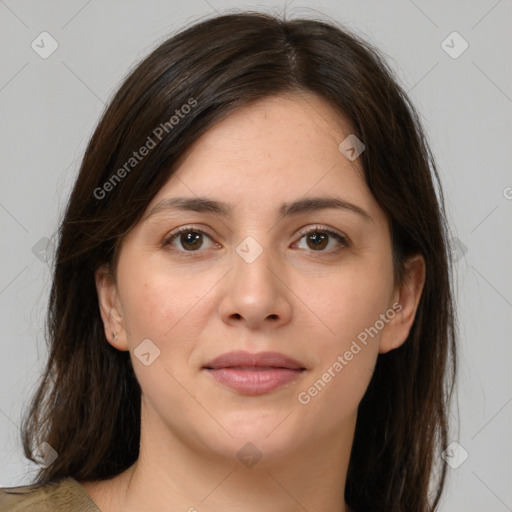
(191, 240)
(318, 239)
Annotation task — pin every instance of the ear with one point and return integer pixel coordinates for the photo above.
(110, 308)
(405, 304)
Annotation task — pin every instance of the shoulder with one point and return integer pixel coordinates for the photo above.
(63, 495)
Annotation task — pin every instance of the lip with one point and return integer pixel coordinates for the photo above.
(254, 373)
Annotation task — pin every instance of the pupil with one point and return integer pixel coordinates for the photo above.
(320, 238)
(191, 238)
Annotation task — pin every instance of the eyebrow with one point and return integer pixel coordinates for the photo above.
(206, 205)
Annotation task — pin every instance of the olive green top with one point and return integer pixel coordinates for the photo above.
(66, 495)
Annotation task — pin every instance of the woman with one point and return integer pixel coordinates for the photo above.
(251, 305)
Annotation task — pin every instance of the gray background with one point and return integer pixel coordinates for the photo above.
(50, 106)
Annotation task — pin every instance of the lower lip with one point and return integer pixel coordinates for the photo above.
(254, 382)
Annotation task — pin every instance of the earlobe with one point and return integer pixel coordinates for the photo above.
(110, 309)
(407, 299)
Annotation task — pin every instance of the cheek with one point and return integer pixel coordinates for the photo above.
(348, 301)
(162, 308)
(156, 304)
(350, 306)
(335, 392)
(345, 360)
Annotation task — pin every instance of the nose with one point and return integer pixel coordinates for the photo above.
(255, 292)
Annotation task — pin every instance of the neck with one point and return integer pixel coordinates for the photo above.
(173, 475)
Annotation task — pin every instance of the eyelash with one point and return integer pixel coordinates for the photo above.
(314, 229)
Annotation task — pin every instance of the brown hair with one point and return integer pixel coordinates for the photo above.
(87, 406)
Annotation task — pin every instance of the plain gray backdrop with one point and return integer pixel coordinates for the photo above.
(452, 57)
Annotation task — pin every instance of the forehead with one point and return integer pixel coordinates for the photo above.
(275, 150)
(302, 122)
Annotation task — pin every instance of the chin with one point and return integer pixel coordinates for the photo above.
(268, 432)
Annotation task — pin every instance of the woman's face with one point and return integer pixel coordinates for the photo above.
(249, 280)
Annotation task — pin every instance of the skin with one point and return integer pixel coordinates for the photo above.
(294, 298)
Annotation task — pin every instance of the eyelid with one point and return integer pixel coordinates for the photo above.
(323, 229)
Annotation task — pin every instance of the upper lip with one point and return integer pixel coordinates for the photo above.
(242, 358)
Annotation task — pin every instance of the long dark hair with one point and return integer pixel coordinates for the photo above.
(87, 406)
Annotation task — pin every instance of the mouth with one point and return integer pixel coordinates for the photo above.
(254, 374)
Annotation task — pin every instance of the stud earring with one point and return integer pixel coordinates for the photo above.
(115, 336)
